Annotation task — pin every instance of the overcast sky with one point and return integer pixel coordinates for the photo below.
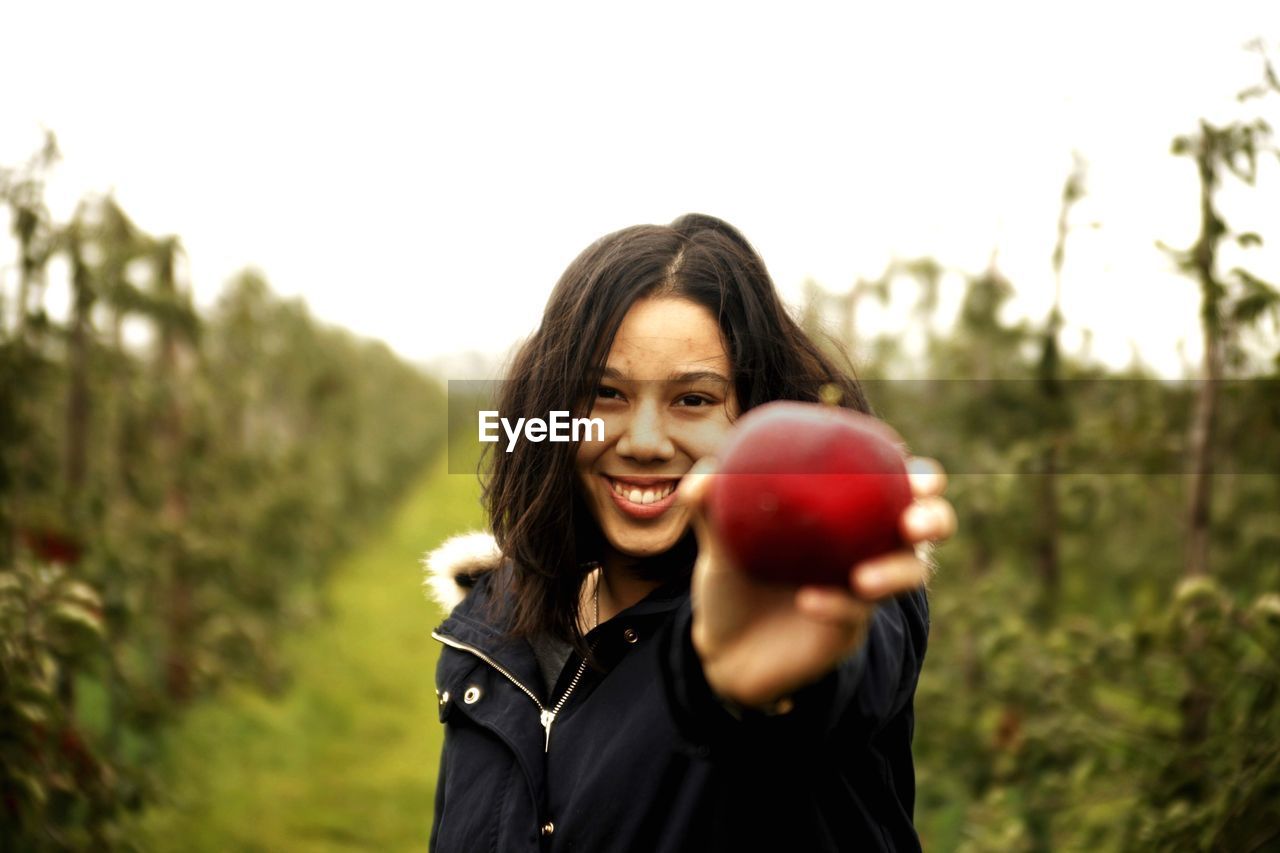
(423, 172)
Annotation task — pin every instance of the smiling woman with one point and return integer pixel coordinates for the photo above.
(693, 708)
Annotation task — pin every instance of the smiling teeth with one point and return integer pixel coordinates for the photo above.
(642, 496)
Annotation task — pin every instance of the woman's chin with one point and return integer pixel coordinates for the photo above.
(643, 550)
(644, 547)
(641, 541)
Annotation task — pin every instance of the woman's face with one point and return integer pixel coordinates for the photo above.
(666, 400)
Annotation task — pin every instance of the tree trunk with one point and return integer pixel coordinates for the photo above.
(1197, 702)
(24, 295)
(1048, 527)
(1047, 523)
(175, 516)
(77, 436)
(1203, 256)
(180, 615)
(1048, 531)
(1202, 434)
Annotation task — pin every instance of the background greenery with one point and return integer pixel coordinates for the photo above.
(212, 634)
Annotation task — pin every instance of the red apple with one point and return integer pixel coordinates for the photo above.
(806, 491)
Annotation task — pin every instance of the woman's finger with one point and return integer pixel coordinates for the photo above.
(832, 605)
(694, 484)
(927, 476)
(888, 575)
(929, 519)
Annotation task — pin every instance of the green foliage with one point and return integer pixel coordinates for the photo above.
(1067, 735)
(168, 513)
(54, 789)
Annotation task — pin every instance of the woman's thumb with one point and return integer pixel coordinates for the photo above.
(695, 484)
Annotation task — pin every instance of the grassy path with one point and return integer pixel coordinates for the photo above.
(347, 758)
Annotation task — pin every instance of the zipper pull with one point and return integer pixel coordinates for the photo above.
(548, 717)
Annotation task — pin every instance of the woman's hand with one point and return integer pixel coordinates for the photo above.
(760, 642)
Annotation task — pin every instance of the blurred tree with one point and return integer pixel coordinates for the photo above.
(74, 241)
(124, 251)
(23, 191)
(1054, 407)
(176, 328)
(1227, 302)
(927, 274)
(22, 361)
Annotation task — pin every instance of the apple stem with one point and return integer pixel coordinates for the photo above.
(830, 394)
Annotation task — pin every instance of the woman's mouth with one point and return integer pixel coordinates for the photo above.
(643, 497)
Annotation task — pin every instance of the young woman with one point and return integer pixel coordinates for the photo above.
(608, 679)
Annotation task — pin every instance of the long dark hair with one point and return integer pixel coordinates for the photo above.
(536, 512)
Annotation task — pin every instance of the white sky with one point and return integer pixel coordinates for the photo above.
(423, 172)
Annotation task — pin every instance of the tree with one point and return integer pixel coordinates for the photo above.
(23, 190)
(1227, 302)
(21, 364)
(1049, 382)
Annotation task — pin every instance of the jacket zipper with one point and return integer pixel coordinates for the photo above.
(546, 716)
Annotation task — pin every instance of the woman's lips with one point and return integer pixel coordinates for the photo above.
(630, 494)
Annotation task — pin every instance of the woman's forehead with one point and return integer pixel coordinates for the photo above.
(666, 336)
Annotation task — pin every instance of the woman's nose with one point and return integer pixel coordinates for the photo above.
(645, 437)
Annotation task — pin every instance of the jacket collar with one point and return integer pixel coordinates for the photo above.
(464, 574)
(470, 627)
(457, 566)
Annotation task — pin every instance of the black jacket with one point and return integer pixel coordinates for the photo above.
(643, 757)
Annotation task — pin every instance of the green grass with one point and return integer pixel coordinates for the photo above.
(347, 757)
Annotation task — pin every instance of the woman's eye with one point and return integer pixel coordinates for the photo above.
(695, 400)
(608, 393)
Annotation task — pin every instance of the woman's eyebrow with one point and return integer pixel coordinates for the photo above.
(698, 376)
(683, 377)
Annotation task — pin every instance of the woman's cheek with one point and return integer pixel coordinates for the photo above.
(712, 437)
(614, 426)
(589, 448)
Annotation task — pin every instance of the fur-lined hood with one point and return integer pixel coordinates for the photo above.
(453, 568)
